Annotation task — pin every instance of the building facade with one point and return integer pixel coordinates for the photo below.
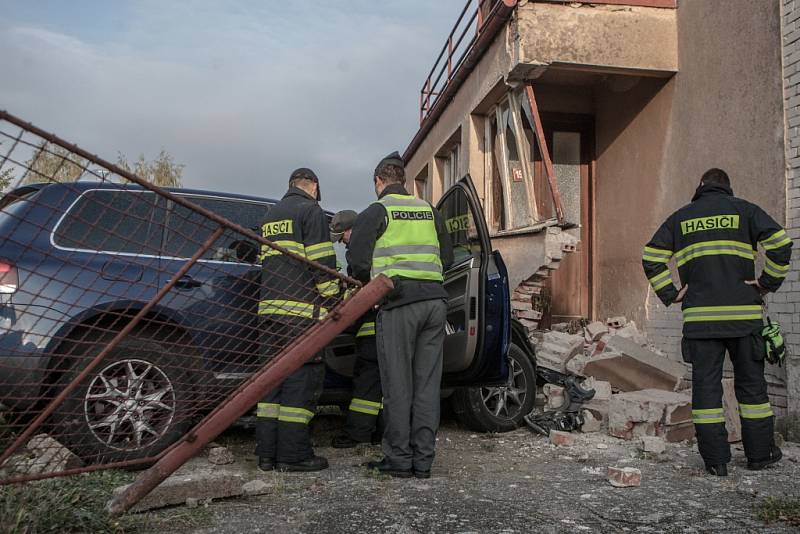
(584, 124)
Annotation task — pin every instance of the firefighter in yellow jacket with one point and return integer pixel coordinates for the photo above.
(713, 241)
(293, 298)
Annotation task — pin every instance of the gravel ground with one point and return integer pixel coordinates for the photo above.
(513, 482)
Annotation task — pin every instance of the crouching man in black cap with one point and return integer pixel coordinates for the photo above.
(366, 404)
(293, 298)
(405, 238)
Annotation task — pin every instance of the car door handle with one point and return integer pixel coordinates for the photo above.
(187, 282)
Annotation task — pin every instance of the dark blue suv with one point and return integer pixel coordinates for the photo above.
(69, 283)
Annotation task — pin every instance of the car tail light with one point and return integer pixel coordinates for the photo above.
(9, 281)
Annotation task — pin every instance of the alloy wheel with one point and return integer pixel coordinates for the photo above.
(129, 405)
(507, 400)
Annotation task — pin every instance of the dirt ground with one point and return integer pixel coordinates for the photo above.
(513, 482)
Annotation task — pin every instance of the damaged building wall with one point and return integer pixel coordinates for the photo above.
(723, 108)
(787, 301)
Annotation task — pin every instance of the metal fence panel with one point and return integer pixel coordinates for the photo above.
(129, 313)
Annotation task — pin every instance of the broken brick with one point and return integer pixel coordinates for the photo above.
(630, 367)
(652, 444)
(554, 396)
(561, 439)
(626, 477)
(617, 322)
(602, 389)
(595, 331)
(591, 423)
(557, 348)
(651, 413)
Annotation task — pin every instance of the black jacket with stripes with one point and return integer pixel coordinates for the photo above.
(713, 243)
(291, 288)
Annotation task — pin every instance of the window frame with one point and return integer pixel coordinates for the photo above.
(72, 206)
(516, 103)
(189, 197)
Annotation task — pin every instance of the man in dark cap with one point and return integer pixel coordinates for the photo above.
(365, 405)
(293, 298)
(405, 238)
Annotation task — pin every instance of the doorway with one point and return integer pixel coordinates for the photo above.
(570, 139)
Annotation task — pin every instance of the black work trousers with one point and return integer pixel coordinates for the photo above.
(747, 355)
(410, 341)
(366, 404)
(284, 414)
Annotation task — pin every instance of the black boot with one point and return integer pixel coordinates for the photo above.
(720, 470)
(385, 468)
(775, 455)
(315, 463)
(266, 464)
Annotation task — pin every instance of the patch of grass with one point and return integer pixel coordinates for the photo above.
(488, 446)
(490, 435)
(774, 509)
(77, 504)
(377, 475)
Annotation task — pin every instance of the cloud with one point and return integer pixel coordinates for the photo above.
(241, 94)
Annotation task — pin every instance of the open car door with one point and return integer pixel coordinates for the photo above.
(478, 306)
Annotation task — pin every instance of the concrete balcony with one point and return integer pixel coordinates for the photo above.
(612, 39)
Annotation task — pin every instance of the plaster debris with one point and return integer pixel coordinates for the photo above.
(652, 444)
(220, 456)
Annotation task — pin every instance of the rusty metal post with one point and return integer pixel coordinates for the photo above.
(450, 57)
(33, 426)
(548, 163)
(250, 392)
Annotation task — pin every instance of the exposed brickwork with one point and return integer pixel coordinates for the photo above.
(786, 303)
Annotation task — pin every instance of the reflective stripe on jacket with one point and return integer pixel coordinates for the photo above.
(291, 288)
(714, 244)
(409, 248)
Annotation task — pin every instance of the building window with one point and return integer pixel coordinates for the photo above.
(518, 193)
(451, 172)
(422, 185)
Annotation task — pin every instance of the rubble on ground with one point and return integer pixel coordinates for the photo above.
(624, 477)
(190, 489)
(42, 455)
(640, 393)
(218, 455)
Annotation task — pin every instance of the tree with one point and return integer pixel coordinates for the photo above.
(162, 171)
(52, 163)
(6, 178)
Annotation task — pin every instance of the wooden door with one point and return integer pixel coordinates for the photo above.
(570, 139)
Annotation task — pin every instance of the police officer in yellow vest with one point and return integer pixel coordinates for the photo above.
(405, 239)
(714, 242)
(293, 298)
(366, 404)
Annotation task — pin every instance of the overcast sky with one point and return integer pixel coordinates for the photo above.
(241, 92)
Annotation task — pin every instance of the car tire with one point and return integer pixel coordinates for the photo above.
(139, 400)
(499, 409)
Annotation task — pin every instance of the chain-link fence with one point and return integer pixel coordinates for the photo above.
(129, 313)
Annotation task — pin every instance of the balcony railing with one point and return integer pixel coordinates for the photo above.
(460, 42)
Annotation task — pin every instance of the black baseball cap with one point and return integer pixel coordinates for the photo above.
(304, 173)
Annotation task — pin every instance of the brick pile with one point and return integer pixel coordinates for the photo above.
(639, 392)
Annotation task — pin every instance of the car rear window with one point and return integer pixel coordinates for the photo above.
(186, 229)
(112, 221)
(16, 196)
